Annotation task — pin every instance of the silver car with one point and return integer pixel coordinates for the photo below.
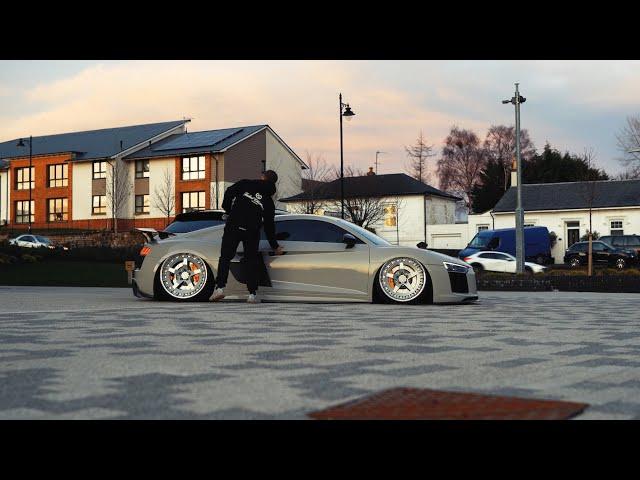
(326, 260)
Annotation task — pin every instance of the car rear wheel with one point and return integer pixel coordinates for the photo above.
(403, 280)
(574, 262)
(185, 277)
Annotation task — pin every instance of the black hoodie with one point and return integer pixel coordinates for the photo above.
(248, 203)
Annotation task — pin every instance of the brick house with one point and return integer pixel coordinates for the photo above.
(80, 180)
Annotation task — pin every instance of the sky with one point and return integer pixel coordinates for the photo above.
(573, 105)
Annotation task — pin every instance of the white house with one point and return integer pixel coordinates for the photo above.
(410, 208)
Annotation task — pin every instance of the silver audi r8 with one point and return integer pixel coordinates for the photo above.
(326, 260)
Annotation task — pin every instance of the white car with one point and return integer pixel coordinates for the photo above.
(31, 241)
(499, 262)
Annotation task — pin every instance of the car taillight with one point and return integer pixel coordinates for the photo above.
(466, 259)
(145, 251)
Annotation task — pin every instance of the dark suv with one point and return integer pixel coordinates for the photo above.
(603, 253)
(625, 242)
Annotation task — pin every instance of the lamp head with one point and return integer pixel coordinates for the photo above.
(348, 113)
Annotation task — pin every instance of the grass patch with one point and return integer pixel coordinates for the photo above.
(60, 273)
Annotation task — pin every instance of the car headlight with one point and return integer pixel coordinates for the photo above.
(456, 268)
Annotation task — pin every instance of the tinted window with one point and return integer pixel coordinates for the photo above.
(192, 225)
(501, 257)
(42, 239)
(633, 241)
(579, 247)
(27, 238)
(308, 231)
(598, 246)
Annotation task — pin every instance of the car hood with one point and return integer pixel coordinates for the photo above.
(427, 256)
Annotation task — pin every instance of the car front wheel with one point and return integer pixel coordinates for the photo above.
(621, 263)
(574, 262)
(185, 277)
(403, 280)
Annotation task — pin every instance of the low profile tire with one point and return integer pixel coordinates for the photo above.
(574, 262)
(621, 264)
(403, 280)
(184, 277)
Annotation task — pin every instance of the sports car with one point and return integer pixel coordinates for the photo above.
(326, 259)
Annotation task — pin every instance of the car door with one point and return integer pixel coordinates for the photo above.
(26, 241)
(317, 263)
(491, 263)
(507, 262)
(601, 252)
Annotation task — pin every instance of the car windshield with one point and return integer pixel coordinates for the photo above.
(191, 225)
(481, 240)
(42, 239)
(370, 236)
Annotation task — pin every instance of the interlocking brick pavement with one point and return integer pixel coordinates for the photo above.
(100, 353)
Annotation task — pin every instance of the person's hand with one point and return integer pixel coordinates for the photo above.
(278, 251)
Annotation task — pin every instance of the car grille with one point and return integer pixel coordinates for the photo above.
(459, 283)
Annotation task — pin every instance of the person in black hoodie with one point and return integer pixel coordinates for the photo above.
(248, 205)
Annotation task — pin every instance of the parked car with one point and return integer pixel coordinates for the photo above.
(603, 254)
(625, 242)
(31, 241)
(537, 246)
(499, 262)
(326, 260)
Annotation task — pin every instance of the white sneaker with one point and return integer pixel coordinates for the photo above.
(218, 294)
(252, 298)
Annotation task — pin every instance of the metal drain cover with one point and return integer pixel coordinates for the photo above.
(424, 404)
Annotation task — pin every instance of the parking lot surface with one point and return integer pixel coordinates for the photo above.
(101, 353)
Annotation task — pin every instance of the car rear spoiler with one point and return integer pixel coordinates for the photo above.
(150, 234)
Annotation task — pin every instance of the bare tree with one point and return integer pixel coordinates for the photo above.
(629, 141)
(164, 198)
(463, 159)
(119, 188)
(632, 172)
(349, 171)
(418, 154)
(589, 194)
(500, 146)
(312, 180)
(364, 211)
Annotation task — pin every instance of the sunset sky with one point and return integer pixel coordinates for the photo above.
(572, 104)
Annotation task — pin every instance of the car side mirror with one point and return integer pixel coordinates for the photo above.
(422, 245)
(282, 235)
(349, 239)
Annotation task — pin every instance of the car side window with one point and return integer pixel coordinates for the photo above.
(310, 231)
(499, 256)
(27, 238)
(633, 241)
(598, 247)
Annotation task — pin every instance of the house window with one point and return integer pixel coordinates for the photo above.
(57, 210)
(142, 204)
(390, 215)
(142, 168)
(99, 205)
(99, 169)
(24, 211)
(58, 175)
(192, 168)
(616, 227)
(483, 227)
(24, 178)
(192, 201)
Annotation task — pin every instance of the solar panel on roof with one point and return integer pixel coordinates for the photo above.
(198, 139)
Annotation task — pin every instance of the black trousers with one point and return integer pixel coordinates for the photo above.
(250, 242)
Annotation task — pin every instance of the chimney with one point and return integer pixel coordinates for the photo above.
(514, 173)
(371, 172)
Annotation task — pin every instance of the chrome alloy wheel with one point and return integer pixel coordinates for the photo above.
(402, 279)
(183, 275)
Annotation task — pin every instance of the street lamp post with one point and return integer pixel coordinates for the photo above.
(21, 144)
(346, 113)
(378, 152)
(516, 101)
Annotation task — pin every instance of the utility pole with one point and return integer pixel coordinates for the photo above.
(520, 251)
(378, 152)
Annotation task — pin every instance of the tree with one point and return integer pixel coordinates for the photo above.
(632, 172)
(418, 155)
(119, 188)
(500, 146)
(463, 159)
(364, 211)
(164, 198)
(312, 180)
(551, 166)
(628, 140)
(589, 193)
(490, 187)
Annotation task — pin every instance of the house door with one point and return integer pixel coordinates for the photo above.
(573, 233)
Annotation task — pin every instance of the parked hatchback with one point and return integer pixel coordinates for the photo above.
(625, 242)
(603, 254)
(499, 262)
